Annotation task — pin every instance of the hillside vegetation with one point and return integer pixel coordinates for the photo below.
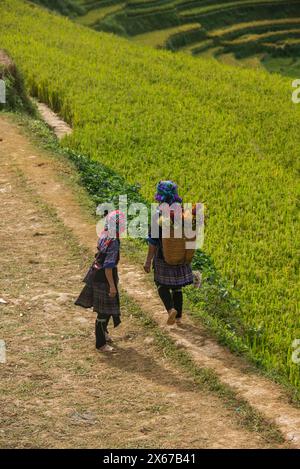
(15, 94)
(228, 136)
(65, 7)
(256, 33)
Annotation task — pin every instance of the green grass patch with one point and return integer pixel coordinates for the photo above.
(93, 17)
(288, 66)
(165, 37)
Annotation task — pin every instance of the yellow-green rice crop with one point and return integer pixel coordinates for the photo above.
(228, 136)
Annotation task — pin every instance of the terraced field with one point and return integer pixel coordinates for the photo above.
(255, 33)
(248, 33)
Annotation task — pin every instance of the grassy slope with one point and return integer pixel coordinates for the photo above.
(227, 136)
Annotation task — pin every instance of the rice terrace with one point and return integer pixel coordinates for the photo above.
(166, 102)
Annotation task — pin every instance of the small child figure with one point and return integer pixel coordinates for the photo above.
(101, 281)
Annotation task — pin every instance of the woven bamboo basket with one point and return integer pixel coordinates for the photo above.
(175, 251)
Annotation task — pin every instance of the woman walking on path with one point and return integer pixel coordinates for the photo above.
(169, 279)
(101, 281)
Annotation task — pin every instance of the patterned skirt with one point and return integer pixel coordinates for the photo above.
(96, 296)
(172, 275)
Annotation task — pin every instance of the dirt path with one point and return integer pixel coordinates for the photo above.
(56, 390)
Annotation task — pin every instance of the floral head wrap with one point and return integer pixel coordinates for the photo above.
(115, 223)
(166, 191)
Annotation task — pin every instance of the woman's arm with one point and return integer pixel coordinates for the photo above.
(111, 282)
(150, 255)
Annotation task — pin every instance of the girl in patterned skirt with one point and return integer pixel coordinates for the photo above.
(169, 279)
(101, 281)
